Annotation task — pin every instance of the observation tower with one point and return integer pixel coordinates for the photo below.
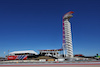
(67, 38)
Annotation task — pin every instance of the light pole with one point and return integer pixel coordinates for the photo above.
(4, 53)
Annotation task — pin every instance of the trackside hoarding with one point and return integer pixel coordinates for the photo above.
(18, 57)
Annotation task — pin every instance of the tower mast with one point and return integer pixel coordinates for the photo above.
(67, 38)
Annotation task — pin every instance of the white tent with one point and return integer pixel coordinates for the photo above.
(20, 52)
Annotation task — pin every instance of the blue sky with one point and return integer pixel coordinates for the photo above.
(37, 24)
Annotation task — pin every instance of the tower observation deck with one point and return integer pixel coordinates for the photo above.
(67, 38)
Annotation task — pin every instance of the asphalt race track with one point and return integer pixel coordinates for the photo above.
(82, 64)
(51, 66)
(91, 64)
